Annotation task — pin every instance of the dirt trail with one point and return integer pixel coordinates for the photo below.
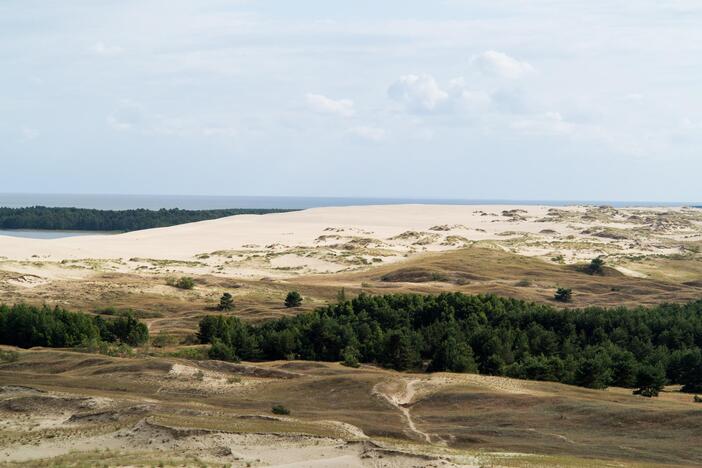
(402, 399)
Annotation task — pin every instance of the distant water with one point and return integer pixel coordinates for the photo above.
(47, 234)
(193, 202)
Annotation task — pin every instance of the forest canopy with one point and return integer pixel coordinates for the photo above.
(82, 219)
(593, 347)
(26, 326)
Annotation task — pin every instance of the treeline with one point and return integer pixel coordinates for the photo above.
(641, 347)
(26, 326)
(81, 219)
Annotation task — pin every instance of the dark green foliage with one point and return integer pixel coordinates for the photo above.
(222, 351)
(596, 266)
(27, 326)
(280, 409)
(592, 347)
(293, 299)
(563, 295)
(453, 355)
(650, 380)
(226, 302)
(80, 219)
(691, 372)
(351, 357)
(230, 332)
(594, 370)
(125, 329)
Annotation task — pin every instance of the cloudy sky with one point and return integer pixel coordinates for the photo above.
(487, 99)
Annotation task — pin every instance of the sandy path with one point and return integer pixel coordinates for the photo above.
(402, 400)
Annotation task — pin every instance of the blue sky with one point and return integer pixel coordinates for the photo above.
(451, 98)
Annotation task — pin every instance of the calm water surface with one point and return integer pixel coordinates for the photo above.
(48, 234)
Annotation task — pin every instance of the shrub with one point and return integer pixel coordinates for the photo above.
(185, 282)
(280, 409)
(195, 354)
(351, 357)
(162, 340)
(596, 266)
(8, 356)
(650, 380)
(222, 351)
(293, 299)
(226, 302)
(563, 295)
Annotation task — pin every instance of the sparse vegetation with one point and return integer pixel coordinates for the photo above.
(163, 340)
(8, 356)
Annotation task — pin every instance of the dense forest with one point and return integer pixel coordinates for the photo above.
(81, 219)
(27, 326)
(641, 348)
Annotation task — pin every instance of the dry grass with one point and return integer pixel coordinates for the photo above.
(466, 416)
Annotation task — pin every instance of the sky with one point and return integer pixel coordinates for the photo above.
(478, 99)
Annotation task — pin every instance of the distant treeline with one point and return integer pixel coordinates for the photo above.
(27, 326)
(593, 347)
(81, 219)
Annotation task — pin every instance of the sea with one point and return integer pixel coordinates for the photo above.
(205, 202)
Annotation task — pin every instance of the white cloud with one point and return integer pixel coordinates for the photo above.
(100, 48)
(419, 93)
(502, 65)
(368, 133)
(325, 105)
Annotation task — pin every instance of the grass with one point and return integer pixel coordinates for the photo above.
(554, 424)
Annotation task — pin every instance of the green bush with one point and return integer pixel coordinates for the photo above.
(351, 356)
(293, 299)
(226, 302)
(280, 409)
(185, 282)
(596, 266)
(563, 295)
(222, 352)
(650, 380)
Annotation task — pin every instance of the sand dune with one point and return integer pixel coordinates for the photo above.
(334, 239)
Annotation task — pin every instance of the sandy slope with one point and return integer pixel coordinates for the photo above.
(334, 239)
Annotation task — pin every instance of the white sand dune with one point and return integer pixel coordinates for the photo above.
(316, 240)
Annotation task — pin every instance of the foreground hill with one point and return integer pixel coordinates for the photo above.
(70, 407)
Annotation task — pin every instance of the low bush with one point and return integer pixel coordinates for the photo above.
(280, 409)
